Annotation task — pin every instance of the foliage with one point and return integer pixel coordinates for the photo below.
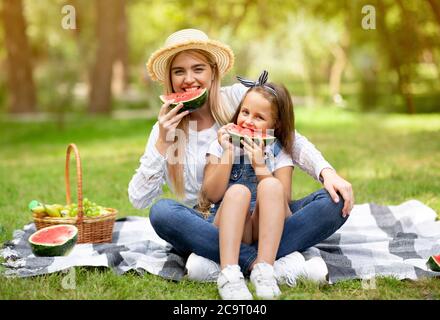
(301, 44)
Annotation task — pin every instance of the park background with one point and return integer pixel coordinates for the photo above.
(364, 76)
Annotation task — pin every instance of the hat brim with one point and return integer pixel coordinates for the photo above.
(222, 54)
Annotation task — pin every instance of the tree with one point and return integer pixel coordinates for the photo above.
(108, 16)
(120, 70)
(402, 47)
(22, 97)
(435, 5)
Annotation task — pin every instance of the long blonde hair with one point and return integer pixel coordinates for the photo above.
(220, 113)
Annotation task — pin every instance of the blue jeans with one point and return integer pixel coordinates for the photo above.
(314, 219)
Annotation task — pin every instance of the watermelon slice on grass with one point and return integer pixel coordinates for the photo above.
(434, 263)
(52, 241)
(238, 133)
(192, 100)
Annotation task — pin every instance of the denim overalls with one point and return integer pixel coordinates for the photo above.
(243, 173)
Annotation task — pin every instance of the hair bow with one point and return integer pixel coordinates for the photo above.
(262, 79)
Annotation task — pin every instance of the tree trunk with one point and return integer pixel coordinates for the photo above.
(336, 72)
(403, 85)
(22, 97)
(435, 5)
(403, 76)
(101, 78)
(120, 65)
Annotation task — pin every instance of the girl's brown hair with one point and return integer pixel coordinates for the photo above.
(282, 113)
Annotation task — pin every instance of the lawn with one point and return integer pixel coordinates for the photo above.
(388, 159)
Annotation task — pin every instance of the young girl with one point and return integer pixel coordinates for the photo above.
(250, 188)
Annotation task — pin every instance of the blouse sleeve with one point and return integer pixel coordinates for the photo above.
(149, 178)
(307, 157)
(232, 95)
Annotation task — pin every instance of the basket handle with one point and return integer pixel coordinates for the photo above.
(73, 147)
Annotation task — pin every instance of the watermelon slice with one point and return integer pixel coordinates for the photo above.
(434, 263)
(53, 241)
(237, 134)
(192, 100)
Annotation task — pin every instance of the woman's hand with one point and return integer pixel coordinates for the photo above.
(223, 137)
(168, 122)
(333, 183)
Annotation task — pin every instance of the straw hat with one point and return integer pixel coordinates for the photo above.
(189, 39)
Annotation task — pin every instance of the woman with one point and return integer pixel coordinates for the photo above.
(176, 150)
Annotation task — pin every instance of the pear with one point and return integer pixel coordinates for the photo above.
(53, 210)
(37, 208)
(33, 204)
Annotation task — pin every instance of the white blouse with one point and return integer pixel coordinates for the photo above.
(149, 178)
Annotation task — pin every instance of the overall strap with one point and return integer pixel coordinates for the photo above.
(276, 148)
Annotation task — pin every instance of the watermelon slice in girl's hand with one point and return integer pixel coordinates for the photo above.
(238, 133)
(434, 263)
(192, 100)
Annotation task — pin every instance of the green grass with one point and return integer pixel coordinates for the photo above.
(387, 158)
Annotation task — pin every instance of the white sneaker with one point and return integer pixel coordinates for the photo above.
(201, 269)
(293, 266)
(263, 278)
(316, 270)
(231, 284)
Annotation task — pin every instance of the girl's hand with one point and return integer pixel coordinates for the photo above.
(255, 152)
(168, 122)
(223, 137)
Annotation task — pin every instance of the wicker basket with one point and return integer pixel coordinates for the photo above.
(90, 229)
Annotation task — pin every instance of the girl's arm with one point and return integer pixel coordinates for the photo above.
(218, 166)
(216, 176)
(146, 184)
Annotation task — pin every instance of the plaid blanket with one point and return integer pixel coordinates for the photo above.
(375, 241)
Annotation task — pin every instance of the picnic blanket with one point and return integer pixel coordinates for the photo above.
(375, 241)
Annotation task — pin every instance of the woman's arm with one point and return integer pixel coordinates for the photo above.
(146, 184)
(284, 174)
(307, 157)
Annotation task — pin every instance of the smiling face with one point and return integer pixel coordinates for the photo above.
(256, 112)
(190, 71)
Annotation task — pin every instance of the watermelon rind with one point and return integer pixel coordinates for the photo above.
(52, 250)
(190, 105)
(434, 263)
(237, 137)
